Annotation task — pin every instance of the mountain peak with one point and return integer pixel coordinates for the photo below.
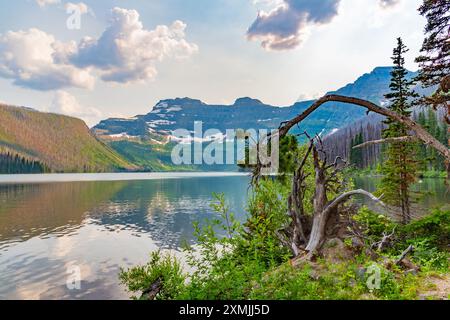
(247, 101)
(180, 102)
(384, 70)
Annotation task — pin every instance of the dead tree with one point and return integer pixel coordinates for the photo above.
(309, 237)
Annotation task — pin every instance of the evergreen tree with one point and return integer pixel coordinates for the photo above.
(422, 151)
(434, 61)
(400, 166)
(356, 155)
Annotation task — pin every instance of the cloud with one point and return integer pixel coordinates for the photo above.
(35, 59)
(285, 26)
(65, 103)
(126, 52)
(43, 3)
(80, 7)
(388, 3)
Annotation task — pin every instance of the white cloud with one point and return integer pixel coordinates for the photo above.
(34, 59)
(43, 3)
(285, 26)
(65, 103)
(388, 3)
(80, 7)
(126, 52)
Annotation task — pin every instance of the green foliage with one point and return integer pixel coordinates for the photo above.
(428, 256)
(14, 164)
(334, 281)
(435, 227)
(400, 166)
(267, 208)
(430, 160)
(290, 152)
(356, 155)
(163, 267)
(433, 61)
(374, 225)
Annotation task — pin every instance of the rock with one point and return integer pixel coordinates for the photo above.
(414, 272)
(361, 273)
(335, 251)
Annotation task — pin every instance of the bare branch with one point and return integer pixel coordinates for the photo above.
(387, 140)
(345, 196)
(420, 132)
(404, 254)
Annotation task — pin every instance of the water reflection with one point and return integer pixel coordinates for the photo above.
(99, 227)
(427, 194)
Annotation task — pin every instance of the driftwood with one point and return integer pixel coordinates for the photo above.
(384, 240)
(153, 290)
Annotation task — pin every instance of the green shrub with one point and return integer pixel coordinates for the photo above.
(161, 266)
(435, 227)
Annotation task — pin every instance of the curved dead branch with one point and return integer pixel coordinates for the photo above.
(419, 132)
(345, 196)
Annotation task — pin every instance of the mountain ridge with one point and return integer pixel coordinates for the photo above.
(59, 143)
(152, 131)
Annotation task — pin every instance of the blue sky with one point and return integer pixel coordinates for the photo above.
(129, 54)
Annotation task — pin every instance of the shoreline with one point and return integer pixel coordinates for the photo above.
(88, 177)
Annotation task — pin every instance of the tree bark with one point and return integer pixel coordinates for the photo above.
(321, 218)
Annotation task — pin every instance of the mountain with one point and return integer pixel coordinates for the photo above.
(145, 139)
(51, 143)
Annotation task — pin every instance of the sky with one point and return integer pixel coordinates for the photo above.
(118, 58)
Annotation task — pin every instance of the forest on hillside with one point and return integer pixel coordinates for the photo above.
(15, 164)
(59, 143)
(342, 143)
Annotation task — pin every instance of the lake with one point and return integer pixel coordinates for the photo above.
(51, 224)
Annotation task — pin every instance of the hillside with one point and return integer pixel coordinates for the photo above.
(132, 137)
(58, 143)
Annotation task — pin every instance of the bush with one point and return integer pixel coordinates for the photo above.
(163, 267)
(435, 227)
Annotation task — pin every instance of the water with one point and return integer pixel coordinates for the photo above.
(427, 194)
(47, 229)
(52, 224)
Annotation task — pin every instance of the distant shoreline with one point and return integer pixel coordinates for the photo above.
(86, 177)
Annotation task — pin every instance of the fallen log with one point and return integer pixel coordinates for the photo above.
(153, 290)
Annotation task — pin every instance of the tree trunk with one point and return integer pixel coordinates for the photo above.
(317, 236)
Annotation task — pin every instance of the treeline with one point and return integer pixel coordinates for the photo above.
(341, 143)
(14, 164)
(429, 158)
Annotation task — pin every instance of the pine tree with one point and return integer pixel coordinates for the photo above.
(422, 152)
(356, 155)
(400, 165)
(434, 61)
